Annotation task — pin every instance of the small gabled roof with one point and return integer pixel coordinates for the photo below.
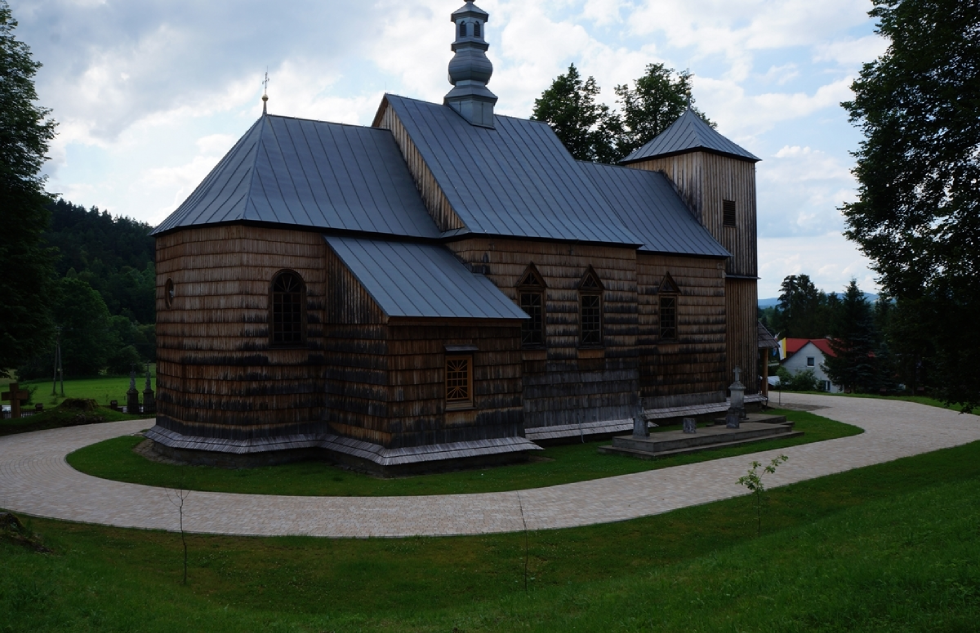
(766, 339)
(421, 280)
(793, 345)
(516, 179)
(311, 174)
(689, 133)
(646, 203)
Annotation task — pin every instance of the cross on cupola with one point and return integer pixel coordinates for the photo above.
(470, 70)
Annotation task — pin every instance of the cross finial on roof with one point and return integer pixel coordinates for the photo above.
(688, 74)
(265, 91)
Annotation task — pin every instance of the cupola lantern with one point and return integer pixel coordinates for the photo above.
(470, 70)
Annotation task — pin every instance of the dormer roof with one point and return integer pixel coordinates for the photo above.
(689, 133)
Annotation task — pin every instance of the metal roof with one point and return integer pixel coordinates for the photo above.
(421, 280)
(689, 133)
(647, 205)
(312, 174)
(514, 180)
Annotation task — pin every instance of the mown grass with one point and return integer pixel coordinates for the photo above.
(115, 459)
(892, 547)
(102, 389)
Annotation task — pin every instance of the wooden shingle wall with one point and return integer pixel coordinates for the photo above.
(417, 393)
(565, 383)
(742, 297)
(690, 369)
(704, 181)
(355, 349)
(217, 374)
(435, 200)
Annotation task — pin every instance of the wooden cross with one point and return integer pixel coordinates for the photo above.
(15, 395)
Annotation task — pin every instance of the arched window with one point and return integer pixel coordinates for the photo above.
(590, 310)
(476, 29)
(288, 314)
(462, 29)
(531, 295)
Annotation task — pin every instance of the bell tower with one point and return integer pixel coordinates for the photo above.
(470, 70)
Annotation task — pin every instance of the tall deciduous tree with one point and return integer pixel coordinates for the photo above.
(26, 266)
(585, 127)
(656, 100)
(918, 212)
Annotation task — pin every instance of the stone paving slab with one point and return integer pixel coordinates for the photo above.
(36, 480)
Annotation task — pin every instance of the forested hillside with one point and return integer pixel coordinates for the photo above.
(103, 299)
(113, 254)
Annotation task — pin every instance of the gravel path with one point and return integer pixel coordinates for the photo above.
(36, 480)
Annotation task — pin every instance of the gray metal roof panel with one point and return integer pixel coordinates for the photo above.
(516, 179)
(646, 203)
(311, 174)
(421, 280)
(689, 133)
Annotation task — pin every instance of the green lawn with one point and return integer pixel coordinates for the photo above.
(102, 389)
(892, 547)
(115, 459)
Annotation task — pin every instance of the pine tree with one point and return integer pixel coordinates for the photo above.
(26, 282)
(853, 365)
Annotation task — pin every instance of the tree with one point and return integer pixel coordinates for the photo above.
(853, 365)
(586, 128)
(87, 340)
(917, 216)
(27, 266)
(802, 310)
(657, 99)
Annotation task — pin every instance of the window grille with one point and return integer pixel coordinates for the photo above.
(728, 209)
(287, 309)
(668, 318)
(590, 311)
(459, 381)
(532, 330)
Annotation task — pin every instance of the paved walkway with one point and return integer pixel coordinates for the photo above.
(36, 480)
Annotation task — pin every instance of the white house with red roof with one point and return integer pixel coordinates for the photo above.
(800, 354)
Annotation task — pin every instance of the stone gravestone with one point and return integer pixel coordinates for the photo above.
(640, 427)
(149, 402)
(132, 396)
(736, 411)
(690, 425)
(15, 395)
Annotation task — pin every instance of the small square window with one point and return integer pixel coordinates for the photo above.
(728, 210)
(811, 361)
(459, 382)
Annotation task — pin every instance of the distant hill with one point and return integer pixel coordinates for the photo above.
(772, 302)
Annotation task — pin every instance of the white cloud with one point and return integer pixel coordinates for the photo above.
(830, 260)
(851, 52)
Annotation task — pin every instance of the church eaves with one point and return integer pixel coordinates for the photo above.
(689, 133)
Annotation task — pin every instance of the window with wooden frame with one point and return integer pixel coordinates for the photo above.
(728, 213)
(590, 310)
(531, 296)
(288, 310)
(169, 293)
(668, 308)
(459, 381)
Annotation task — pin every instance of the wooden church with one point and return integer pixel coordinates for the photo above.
(449, 286)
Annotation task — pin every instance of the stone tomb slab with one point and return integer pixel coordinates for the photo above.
(756, 429)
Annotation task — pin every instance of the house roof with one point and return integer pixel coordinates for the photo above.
(646, 203)
(687, 134)
(312, 174)
(421, 280)
(793, 345)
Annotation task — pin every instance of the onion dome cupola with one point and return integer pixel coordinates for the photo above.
(470, 70)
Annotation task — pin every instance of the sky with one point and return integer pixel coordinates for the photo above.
(150, 94)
